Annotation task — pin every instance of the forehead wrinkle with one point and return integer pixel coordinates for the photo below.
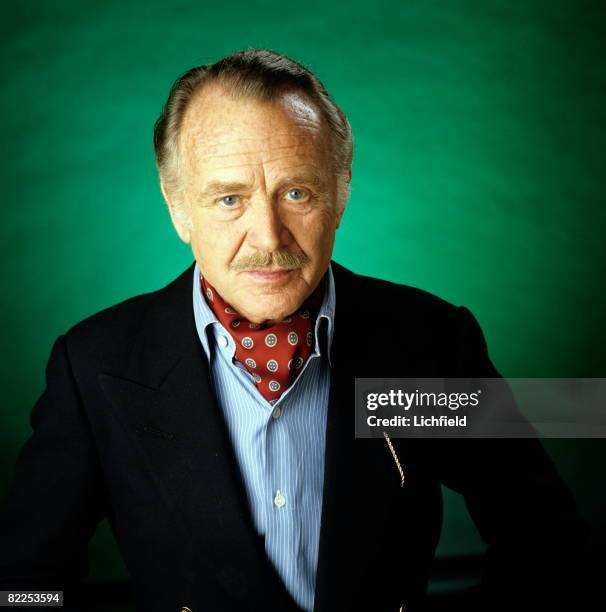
(214, 140)
(310, 168)
(201, 148)
(296, 172)
(249, 164)
(283, 135)
(309, 159)
(249, 152)
(273, 160)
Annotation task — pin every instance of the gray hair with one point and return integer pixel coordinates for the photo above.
(263, 75)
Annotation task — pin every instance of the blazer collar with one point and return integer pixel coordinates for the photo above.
(168, 329)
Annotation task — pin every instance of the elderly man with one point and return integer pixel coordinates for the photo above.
(212, 420)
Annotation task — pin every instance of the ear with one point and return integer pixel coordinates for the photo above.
(339, 216)
(344, 196)
(178, 216)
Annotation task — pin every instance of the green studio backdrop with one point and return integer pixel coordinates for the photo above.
(478, 175)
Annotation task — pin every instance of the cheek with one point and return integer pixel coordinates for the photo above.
(216, 243)
(316, 228)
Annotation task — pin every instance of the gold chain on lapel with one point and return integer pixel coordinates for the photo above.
(395, 457)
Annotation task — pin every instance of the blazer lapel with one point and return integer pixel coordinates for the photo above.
(165, 402)
(356, 489)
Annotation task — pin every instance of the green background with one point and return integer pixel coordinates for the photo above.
(478, 175)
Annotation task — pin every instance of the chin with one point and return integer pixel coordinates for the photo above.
(270, 315)
(273, 312)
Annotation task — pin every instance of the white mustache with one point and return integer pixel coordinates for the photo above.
(282, 260)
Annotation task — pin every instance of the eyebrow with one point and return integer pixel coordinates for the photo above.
(218, 187)
(215, 188)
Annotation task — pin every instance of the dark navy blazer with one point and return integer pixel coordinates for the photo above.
(128, 428)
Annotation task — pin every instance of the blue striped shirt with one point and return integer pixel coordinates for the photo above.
(279, 448)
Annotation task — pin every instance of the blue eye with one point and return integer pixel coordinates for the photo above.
(229, 201)
(297, 194)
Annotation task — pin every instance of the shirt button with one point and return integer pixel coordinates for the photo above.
(277, 412)
(222, 340)
(279, 500)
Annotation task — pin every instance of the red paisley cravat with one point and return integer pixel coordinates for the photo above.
(273, 354)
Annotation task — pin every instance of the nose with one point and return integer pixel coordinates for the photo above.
(266, 230)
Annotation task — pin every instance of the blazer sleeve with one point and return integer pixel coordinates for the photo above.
(536, 539)
(57, 495)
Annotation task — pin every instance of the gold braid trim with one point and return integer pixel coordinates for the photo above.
(395, 457)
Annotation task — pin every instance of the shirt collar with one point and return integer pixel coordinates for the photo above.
(205, 317)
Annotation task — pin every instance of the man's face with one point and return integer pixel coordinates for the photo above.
(258, 181)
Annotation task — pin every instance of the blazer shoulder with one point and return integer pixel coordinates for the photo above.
(376, 294)
(108, 335)
(424, 322)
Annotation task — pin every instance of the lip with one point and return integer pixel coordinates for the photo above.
(268, 276)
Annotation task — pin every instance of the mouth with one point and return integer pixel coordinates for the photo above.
(269, 276)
